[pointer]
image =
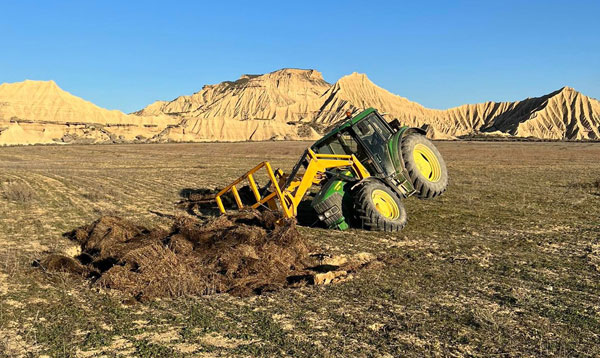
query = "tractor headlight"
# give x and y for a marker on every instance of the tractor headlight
(329, 213)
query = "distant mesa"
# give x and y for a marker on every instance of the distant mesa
(288, 104)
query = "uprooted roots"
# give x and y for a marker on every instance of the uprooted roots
(251, 252)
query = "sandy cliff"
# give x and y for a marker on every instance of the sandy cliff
(34, 112)
(286, 104)
(303, 98)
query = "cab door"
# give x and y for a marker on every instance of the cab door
(374, 134)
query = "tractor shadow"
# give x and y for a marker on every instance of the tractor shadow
(201, 202)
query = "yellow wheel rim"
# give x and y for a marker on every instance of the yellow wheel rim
(427, 163)
(385, 204)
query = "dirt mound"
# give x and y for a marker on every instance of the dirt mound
(248, 253)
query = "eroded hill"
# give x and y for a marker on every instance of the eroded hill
(304, 99)
(39, 112)
(288, 104)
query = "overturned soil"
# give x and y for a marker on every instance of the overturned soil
(247, 253)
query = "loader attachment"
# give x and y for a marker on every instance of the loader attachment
(286, 191)
(274, 199)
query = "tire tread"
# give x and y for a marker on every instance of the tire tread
(424, 188)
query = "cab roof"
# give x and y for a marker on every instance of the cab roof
(346, 124)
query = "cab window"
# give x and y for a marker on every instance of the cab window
(342, 143)
(331, 146)
(374, 134)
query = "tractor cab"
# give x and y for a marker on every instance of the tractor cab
(367, 136)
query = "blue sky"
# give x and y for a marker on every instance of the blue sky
(127, 54)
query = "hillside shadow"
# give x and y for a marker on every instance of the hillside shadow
(508, 120)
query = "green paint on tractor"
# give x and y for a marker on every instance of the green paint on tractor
(377, 144)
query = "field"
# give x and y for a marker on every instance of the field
(505, 264)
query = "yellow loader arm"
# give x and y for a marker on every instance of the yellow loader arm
(286, 191)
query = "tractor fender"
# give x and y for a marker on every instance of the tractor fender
(373, 179)
(410, 130)
(368, 179)
(385, 181)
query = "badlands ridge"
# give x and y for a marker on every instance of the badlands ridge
(289, 104)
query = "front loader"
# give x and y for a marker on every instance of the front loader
(364, 168)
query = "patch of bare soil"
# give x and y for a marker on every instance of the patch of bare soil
(247, 253)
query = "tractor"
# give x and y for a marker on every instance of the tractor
(363, 168)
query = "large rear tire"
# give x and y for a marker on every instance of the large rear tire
(425, 166)
(378, 208)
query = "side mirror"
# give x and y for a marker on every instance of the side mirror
(395, 124)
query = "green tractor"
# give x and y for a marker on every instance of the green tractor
(402, 162)
(364, 167)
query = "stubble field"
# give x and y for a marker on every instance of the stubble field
(506, 263)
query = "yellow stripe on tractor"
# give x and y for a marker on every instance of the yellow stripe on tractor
(286, 191)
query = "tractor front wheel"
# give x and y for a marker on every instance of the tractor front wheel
(378, 208)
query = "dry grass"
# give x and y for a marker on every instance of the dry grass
(17, 191)
(504, 264)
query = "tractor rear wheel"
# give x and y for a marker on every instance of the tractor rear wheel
(378, 208)
(425, 166)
